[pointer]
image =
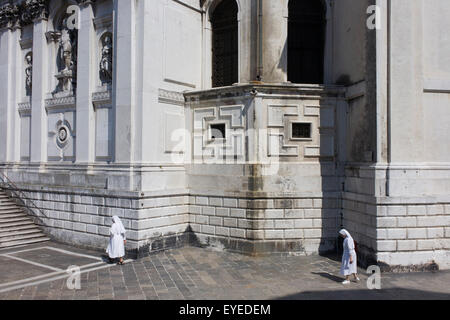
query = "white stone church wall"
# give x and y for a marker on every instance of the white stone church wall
(236, 201)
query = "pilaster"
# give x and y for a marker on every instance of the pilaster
(39, 90)
(85, 151)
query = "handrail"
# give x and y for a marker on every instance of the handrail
(20, 194)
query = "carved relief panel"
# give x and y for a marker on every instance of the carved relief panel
(61, 129)
(302, 131)
(219, 134)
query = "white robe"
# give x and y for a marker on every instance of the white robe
(116, 247)
(348, 268)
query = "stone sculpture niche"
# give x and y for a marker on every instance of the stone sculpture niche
(66, 61)
(106, 69)
(29, 73)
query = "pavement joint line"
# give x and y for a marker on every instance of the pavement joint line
(33, 249)
(45, 275)
(57, 278)
(73, 253)
(9, 248)
(31, 262)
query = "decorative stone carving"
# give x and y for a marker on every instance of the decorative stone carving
(9, 16)
(106, 70)
(66, 50)
(232, 146)
(62, 135)
(29, 73)
(66, 60)
(34, 10)
(170, 97)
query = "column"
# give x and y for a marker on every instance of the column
(124, 79)
(17, 87)
(6, 71)
(274, 41)
(40, 76)
(85, 143)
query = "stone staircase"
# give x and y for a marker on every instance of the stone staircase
(16, 227)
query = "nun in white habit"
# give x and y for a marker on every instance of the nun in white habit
(117, 240)
(349, 263)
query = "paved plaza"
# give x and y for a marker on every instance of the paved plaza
(39, 272)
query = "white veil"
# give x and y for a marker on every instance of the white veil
(118, 224)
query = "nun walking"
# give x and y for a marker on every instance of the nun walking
(349, 263)
(117, 240)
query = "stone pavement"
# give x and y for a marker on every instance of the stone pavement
(38, 273)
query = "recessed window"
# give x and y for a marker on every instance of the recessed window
(306, 41)
(225, 44)
(301, 130)
(218, 131)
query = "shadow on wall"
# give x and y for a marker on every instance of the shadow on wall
(283, 63)
(383, 294)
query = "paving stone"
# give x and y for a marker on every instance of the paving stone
(195, 274)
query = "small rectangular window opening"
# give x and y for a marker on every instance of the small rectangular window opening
(301, 130)
(218, 131)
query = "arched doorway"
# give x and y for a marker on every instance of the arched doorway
(306, 41)
(224, 22)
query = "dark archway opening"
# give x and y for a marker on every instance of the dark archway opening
(225, 44)
(306, 41)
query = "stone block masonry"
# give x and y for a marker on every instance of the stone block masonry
(398, 233)
(266, 226)
(154, 223)
(84, 218)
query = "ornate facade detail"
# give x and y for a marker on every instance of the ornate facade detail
(24, 108)
(9, 16)
(29, 73)
(170, 97)
(60, 102)
(101, 96)
(106, 69)
(34, 10)
(67, 60)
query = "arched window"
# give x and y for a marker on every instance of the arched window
(225, 44)
(306, 41)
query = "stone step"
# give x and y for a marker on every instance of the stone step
(16, 243)
(17, 210)
(14, 220)
(6, 200)
(19, 227)
(3, 205)
(27, 222)
(8, 207)
(19, 234)
(12, 216)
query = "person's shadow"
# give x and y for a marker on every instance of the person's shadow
(329, 276)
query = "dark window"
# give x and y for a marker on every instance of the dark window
(225, 44)
(301, 130)
(306, 41)
(218, 131)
